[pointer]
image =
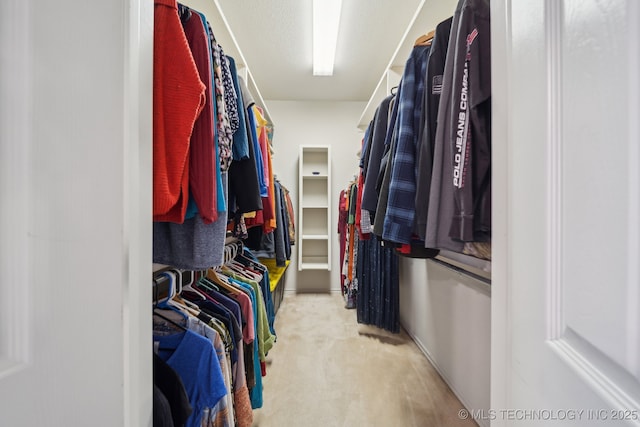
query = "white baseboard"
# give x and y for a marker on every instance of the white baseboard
(423, 348)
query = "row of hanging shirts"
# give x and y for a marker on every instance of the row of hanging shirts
(212, 333)
(424, 183)
(211, 144)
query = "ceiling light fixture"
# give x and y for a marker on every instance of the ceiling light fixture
(326, 22)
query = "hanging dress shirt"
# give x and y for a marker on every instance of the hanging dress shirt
(400, 213)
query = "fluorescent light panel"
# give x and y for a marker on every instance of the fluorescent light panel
(326, 21)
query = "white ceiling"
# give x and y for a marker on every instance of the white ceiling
(275, 39)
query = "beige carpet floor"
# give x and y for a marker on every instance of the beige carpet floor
(327, 370)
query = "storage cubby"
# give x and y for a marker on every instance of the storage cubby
(315, 222)
(314, 192)
(315, 162)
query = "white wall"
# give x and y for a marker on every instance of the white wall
(448, 315)
(75, 213)
(323, 123)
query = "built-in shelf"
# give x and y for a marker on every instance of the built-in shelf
(314, 217)
(314, 263)
(159, 267)
(315, 236)
(314, 266)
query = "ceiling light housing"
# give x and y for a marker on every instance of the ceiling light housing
(326, 23)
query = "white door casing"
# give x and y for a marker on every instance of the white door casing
(75, 209)
(566, 284)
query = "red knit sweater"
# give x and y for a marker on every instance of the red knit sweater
(178, 99)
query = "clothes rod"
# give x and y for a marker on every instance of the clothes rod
(460, 270)
(161, 288)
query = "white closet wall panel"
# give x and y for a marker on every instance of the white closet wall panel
(448, 314)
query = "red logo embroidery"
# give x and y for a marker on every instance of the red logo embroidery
(472, 36)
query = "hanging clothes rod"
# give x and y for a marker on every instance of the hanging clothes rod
(460, 270)
(161, 288)
(162, 282)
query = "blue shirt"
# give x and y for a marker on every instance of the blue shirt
(195, 360)
(401, 206)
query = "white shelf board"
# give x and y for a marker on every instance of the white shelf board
(316, 206)
(315, 148)
(319, 176)
(315, 236)
(158, 267)
(314, 266)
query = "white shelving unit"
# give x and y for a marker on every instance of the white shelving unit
(314, 208)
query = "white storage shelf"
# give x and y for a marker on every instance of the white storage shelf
(315, 193)
(315, 163)
(314, 218)
(314, 263)
(314, 222)
(315, 237)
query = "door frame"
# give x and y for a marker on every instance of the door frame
(138, 169)
(500, 328)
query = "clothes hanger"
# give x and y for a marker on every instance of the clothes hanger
(184, 305)
(190, 287)
(184, 12)
(170, 279)
(220, 280)
(240, 270)
(180, 304)
(250, 263)
(173, 322)
(425, 39)
(215, 279)
(172, 303)
(207, 284)
(177, 275)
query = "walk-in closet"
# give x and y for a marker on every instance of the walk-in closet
(203, 222)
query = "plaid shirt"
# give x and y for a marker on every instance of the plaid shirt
(401, 208)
